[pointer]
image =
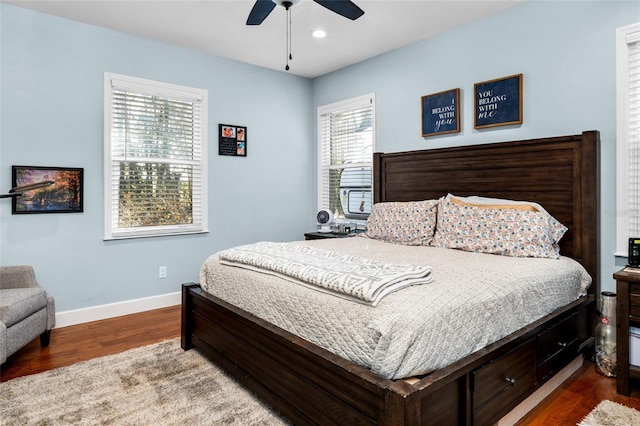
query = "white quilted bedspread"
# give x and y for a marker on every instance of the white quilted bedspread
(474, 300)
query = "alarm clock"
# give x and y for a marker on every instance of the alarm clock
(325, 218)
(634, 252)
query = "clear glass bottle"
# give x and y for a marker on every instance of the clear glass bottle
(605, 336)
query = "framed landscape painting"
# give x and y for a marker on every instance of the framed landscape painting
(58, 190)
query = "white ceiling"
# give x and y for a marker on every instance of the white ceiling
(217, 27)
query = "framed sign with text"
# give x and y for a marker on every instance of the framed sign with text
(232, 140)
(441, 113)
(498, 102)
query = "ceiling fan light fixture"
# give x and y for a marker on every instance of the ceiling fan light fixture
(318, 33)
(285, 3)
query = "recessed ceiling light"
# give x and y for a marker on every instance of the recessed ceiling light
(319, 33)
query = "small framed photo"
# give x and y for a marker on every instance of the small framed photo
(498, 102)
(232, 140)
(441, 113)
(57, 189)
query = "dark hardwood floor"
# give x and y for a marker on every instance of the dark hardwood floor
(93, 339)
(565, 406)
(576, 397)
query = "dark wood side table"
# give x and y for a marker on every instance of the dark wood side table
(323, 235)
(627, 315)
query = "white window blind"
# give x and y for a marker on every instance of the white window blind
(346, 140)
(628, 136)
(155, 158)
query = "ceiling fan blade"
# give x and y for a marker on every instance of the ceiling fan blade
(261, 9)
(346, 8)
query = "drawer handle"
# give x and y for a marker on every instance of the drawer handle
(510, 380)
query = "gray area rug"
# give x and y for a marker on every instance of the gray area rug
(154, 385)
(609, 413)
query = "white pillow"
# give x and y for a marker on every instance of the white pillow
(484, 201)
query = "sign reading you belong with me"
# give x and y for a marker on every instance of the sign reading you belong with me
(498, 102)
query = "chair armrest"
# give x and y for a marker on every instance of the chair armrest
(21, 276)
(51, 312)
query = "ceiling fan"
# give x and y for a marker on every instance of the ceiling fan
(262, 8)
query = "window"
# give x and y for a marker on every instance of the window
(155, 158)
(628, 136)
(346, 140)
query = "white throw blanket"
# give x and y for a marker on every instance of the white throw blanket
(352, 277)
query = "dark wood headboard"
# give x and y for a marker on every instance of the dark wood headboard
(560, 173)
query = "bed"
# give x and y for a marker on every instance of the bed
(311, 385)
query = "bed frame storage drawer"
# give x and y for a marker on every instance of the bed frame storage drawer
(499, 385)
(556, 346)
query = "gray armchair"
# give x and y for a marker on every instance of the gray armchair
(26, 310)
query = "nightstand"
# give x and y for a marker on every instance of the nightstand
(627, 314)
(322, 235)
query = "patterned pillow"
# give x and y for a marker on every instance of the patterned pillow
(501, 231)
(410, 223)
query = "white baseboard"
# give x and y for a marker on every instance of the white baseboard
(535, 398)
(111, 310)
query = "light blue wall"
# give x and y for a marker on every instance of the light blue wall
(51, 113)
(51, 102)
(566, 51)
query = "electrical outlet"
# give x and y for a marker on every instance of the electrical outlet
(162, 272)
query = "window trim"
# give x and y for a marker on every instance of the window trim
(623, 35)
(341, 106)
(174, 91)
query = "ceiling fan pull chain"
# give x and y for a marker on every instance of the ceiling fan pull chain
(290, 35)
(287, 6)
